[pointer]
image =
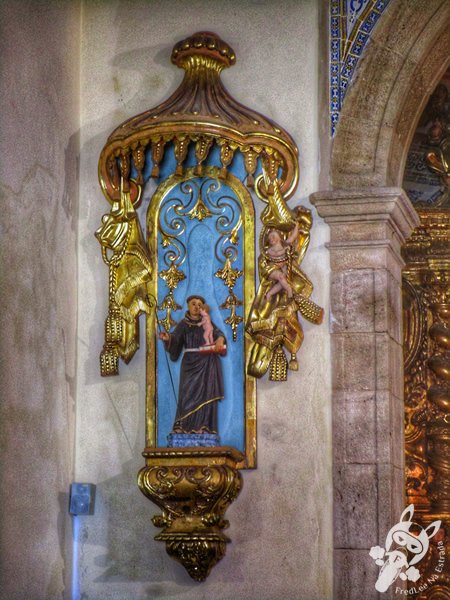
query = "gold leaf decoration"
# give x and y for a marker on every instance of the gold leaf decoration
(200, 211)
(172, 276)
(228, 274)
(231, 302)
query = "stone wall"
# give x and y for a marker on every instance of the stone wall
(39, 83)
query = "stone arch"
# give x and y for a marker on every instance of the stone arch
(370, 217)
(407, 55)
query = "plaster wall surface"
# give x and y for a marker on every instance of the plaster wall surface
(39, 90)
(281, 528)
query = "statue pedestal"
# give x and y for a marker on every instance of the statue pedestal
(193, 487)
(193, 440)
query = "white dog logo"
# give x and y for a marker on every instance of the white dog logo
(403, 550)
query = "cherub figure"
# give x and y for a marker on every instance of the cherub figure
(207, 325)
(273, 322)
(278, 253)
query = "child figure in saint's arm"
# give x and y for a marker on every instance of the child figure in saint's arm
(207, 325)
(201, 379)
(278, 252)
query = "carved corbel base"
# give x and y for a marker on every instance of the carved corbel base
(193, 487)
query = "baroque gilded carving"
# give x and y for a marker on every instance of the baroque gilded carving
(201, 145)
(193, 488)
(427, 347)
(130, 268)
(284, 289)
(427, 366)
(427, 377)
(200, 111)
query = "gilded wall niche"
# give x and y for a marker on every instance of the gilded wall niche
(185, 257)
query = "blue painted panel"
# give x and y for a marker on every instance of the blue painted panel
(200, 264)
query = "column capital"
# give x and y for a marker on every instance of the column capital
(367, 226)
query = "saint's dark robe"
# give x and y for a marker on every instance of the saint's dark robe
(201, 379)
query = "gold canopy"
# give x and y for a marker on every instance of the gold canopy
(200, 111)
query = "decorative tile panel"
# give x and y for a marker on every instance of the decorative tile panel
(351, 23)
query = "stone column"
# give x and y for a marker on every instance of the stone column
(367, 229)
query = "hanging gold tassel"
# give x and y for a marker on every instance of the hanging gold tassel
(278, 365)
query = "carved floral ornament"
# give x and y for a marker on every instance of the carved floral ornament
(426, 326)
(199, 247)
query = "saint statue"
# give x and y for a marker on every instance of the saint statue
(201, 379)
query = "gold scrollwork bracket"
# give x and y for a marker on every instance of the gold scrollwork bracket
(193, 487)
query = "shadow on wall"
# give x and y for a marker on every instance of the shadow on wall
(117, 543)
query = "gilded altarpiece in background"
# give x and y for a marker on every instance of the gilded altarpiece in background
(426, 315)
